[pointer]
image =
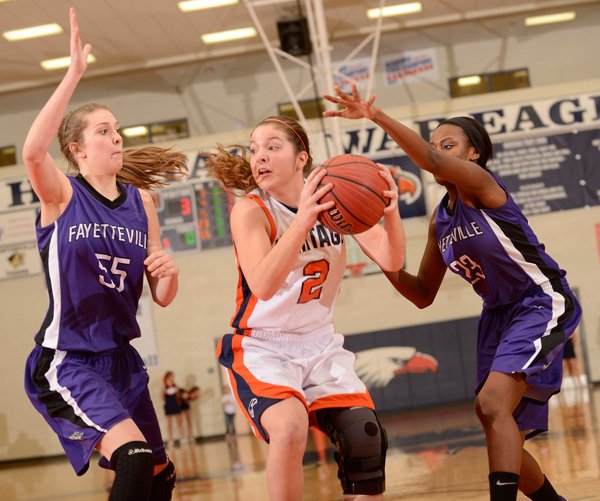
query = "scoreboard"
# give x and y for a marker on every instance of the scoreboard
(194, 216)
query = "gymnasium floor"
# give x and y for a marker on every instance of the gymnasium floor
(436, 454)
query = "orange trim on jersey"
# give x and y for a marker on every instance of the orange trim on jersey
(241, 405)
(262, 205)
(245, 303)
(342, 400)
(337, 401)
(233, 385)
(257, 387)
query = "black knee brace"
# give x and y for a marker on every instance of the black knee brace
(133, 463)
(361, 444)
(163, 484)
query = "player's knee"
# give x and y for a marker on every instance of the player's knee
(289, 434)
(133, 464)
(361, 444)
(488, 408)
(163, 484)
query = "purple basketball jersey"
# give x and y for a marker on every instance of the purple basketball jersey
(495, 250)
(93, 259)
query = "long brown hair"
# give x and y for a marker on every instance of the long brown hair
(233, 170)
(147, 167)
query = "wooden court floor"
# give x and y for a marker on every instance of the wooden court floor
(434, 454)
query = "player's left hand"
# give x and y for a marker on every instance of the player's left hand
(160, 264)
(353, 105)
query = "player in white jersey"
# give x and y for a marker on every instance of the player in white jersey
(286, 363)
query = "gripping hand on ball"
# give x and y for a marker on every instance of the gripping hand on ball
(309, 206)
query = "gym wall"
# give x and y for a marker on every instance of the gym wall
(222, 106)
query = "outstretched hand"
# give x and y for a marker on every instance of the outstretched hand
(79, 56)
(353, 105)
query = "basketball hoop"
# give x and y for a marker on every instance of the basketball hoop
(356, 269)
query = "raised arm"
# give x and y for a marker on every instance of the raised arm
(49, 183)
(422, 288)
(467, 176)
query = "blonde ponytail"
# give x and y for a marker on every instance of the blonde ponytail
(152, 167)
(232, 171)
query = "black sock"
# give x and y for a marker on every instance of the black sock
(503, 486)
(545, 493)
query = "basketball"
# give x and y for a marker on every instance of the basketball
(357, 194)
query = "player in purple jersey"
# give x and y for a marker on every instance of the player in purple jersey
(528, 312)
(98, 235)
(286, 363)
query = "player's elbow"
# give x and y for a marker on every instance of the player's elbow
(263, 293)
(163, 303)
(423, 300)
(419, 298)
(393, 266)
(422, 304)
(398, 263)
(32, 157)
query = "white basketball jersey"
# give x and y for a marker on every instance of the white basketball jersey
(306, 300)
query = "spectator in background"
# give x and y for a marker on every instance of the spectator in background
(571, 363)
(229, 409)
(172, 406)
(185, 397)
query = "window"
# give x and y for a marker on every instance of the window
(483, 83)
(155, 132)
(312, 108)
(8, 155)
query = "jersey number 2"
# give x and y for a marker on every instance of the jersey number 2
(114, 270)
(317, 273)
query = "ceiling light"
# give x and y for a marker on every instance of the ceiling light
(467, 81)
(550, 18)
(395, 10)
(136, 131)
(226, 36)
(62, 62)
(191, 5)
(33, 32)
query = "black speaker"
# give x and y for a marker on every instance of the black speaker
(293, 37)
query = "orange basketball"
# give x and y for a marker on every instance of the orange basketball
(357, 192)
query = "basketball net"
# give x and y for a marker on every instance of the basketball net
(356, 269)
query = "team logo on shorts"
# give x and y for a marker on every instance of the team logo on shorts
(251, 405)
(76, 435)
